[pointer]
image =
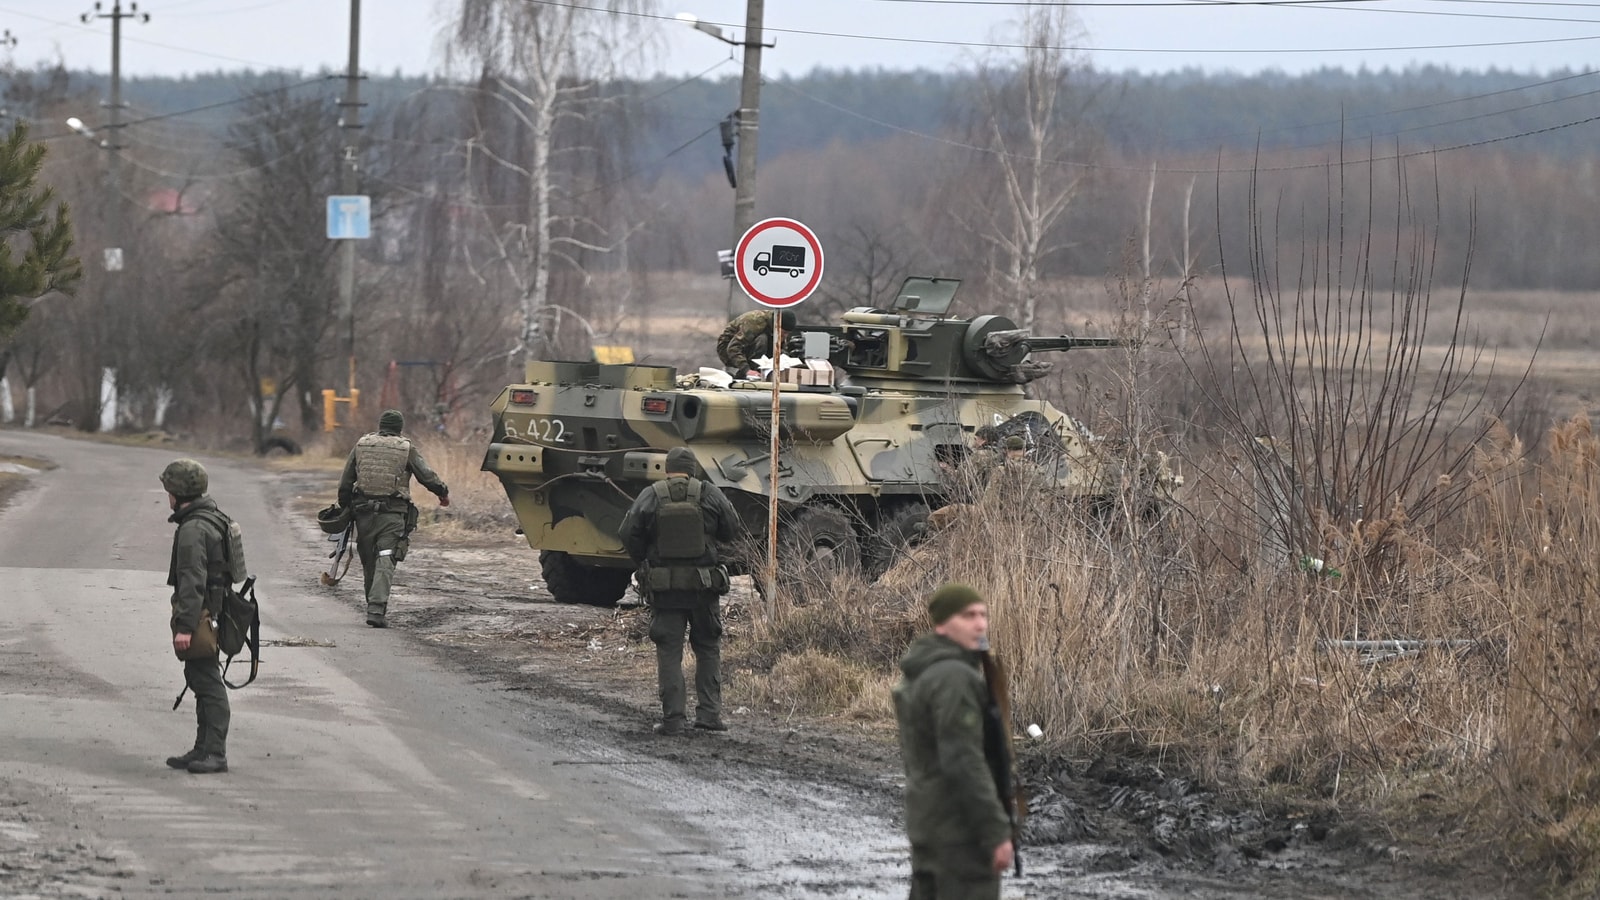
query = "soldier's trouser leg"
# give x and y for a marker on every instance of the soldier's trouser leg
(705, 638)
(211, 713)
(962, 872)
(377, 535)
(666, 631)
(367, 549)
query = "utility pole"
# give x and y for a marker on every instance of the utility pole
(113, 141)
(749, 119)
(113, 255)
(349, 183)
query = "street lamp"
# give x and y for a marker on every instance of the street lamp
(746, 118)
(76, 124)
(693, 21)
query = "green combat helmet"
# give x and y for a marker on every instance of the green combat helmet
(184, 479)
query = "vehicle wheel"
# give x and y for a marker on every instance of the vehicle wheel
(762, 270)
(814, 545)
(898, 531)
(571, 581)
(794, 273)
(287, 445)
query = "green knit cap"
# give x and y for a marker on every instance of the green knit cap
(391, 421)
(949, 600)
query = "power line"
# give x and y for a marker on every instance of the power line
(1408, 109)
(998, 45)
(1087, 166)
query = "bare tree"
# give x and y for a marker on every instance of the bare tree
(1029, 129)
(540, 71)
(1351, 403)
(265, 286)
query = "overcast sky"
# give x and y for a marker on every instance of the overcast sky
(188, 36)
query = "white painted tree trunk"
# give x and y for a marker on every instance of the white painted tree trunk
(163, 403)
(108, 400)
(32, 406)
(8, 413)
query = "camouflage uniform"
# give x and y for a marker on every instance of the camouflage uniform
(197, 570)
(748, 337)
(376, 487)
(671, 611)
(954, 817)
(1015, 482)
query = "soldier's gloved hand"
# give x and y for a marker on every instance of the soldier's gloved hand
(445, 500)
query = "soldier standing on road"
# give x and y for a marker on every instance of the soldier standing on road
(197, 574)
(376, 487)
(748, 337)
(960, 833)
(672, 531)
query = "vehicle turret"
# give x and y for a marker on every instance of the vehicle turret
(870, 440)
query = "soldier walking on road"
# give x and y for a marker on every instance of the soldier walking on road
(959, 829)
(376, 487)
(672, 531)
(198, 575)
(748, 337)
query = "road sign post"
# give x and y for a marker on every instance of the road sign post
(778, 263)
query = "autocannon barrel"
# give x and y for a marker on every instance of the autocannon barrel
(1000, 343)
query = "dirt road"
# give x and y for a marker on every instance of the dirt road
(490, 743)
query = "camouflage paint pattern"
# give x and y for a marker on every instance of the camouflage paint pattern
(576, 442)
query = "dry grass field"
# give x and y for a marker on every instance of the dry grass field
(1179, 638)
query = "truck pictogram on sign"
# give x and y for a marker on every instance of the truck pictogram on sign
(782, 258)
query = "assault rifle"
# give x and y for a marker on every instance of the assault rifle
(341, 556)
(998, 750)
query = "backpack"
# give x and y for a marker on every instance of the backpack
(238, 623)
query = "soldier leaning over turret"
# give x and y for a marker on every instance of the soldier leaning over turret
(749, 337)
(376, 487)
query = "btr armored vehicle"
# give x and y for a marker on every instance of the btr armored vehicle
(865, 455)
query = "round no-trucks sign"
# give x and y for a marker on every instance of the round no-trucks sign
(778, 262)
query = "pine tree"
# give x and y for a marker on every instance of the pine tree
(35, 233)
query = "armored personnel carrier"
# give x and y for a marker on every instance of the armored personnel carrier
(862, 461)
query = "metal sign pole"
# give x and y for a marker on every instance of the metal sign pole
(772, 466)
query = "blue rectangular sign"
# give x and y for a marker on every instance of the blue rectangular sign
(349, 217)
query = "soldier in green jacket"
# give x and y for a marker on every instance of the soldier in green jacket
(197, 571)
(748, 337)
(376, 487)
(960, 833)
(672, 531)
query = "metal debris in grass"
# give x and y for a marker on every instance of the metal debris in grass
(298, 642)
(1376, 651)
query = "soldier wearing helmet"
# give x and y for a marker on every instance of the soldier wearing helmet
(198, 568)
(376, 487)
(672, 531)
(748, 337)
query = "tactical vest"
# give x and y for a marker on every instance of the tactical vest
(681, 558)
(383, 466)
(231, 537)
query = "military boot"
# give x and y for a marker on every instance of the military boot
(182, 762)
(210, 764)
(376, 616)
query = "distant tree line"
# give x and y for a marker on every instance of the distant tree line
(531, 206)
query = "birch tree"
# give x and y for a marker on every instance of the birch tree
(1032, 145)
(540, 71)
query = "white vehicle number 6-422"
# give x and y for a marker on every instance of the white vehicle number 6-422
(545, 431)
